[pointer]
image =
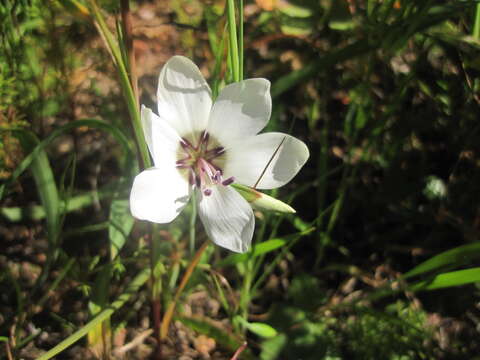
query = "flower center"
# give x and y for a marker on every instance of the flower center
(201, 159)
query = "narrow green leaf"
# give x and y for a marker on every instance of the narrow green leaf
(257, 250)
(98, 302)
(127, 89)
(132, 288)
(240, 39)
(44, 180)
(48, 193)
(261, 329)
(92, 123)
(272, 348)
(233, 44)
(262, 248)
(334, 57)
(37, 212)
(476, 26)
(293, 10)
(454, 278)
(121, 224)
(457, 256)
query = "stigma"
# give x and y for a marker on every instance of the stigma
(201, 158)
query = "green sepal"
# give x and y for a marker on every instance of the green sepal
(261, 201)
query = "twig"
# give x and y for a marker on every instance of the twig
(239, 351)
(8, 350)
(188, 272)
(269, 162)
(120, 351)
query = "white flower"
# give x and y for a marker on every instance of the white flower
(204, 147)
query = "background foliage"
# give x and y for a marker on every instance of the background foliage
(379, 262)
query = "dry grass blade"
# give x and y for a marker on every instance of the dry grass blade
(120, 351)
(171, 307)
(269, 162)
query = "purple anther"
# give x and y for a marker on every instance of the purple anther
(228, 181)
(205, 136)
(184, 143)
(218, 150)
(216, 177)
(195, 155)
(207, 192)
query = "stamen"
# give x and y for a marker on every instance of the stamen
(207, 192)
(182, 165)
(228, 181)
(184, 143)
(195, 155)
(206, 167)
(217, 176)
(212, 153)
(203, 144)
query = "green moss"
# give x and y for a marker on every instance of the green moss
(398, 332)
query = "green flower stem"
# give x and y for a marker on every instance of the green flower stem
(240, 38)
(128, 41)
(193, 220)
(232, 30)
(246, 293)
(476, 35)
(132, 288)
(125, 83)
(476, 26)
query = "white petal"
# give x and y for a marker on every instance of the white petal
(162, 140)
(246, 160)
(183, 95)
(158, 195)
(241, 109)
(228, 218)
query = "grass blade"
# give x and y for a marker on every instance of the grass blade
(131, 289)
(233, 44)
(92, 123)
(73, 203)
(449, 279)
(456, 256)
(44, 180)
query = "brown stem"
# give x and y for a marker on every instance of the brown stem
(157, 320)
(155, 288)
(239, 351)
(171, 307)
